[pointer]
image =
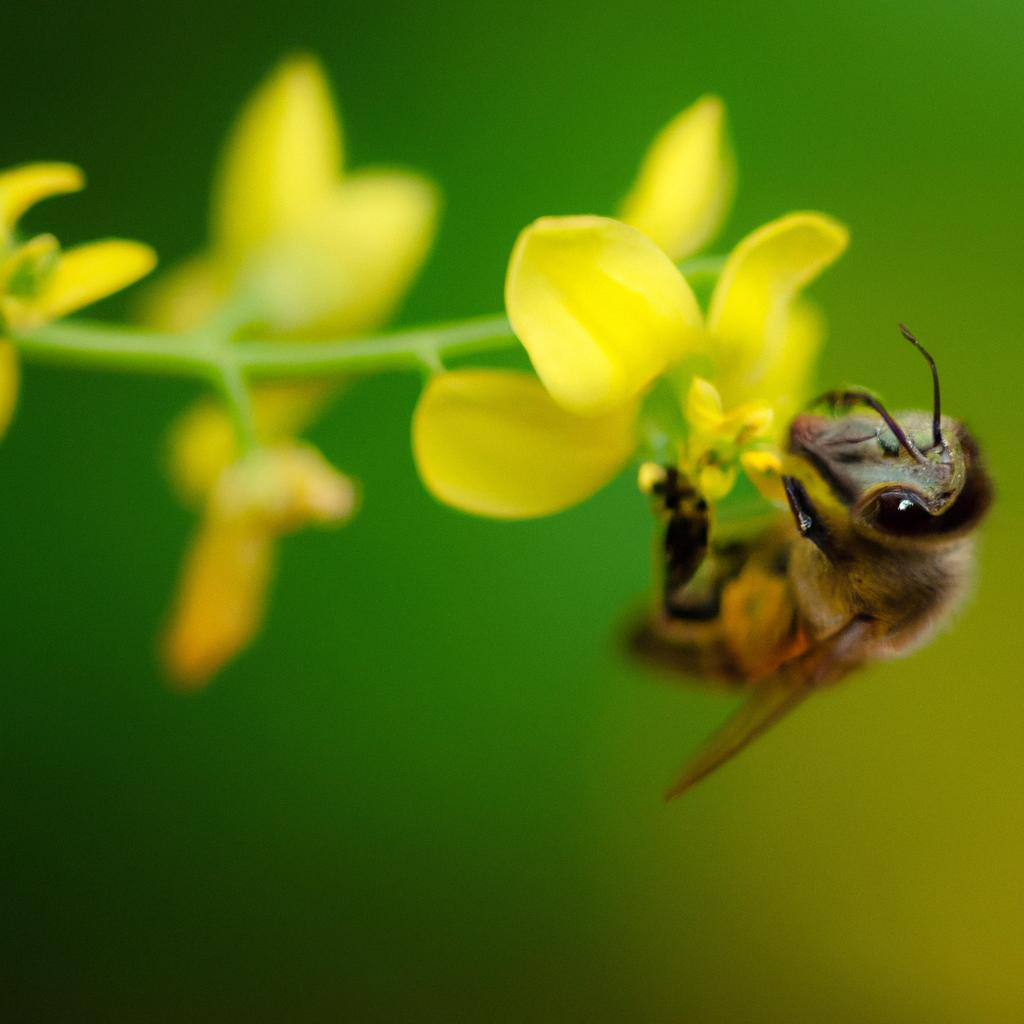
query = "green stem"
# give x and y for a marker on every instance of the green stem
(106, 347)
(230, 366)
(202, 354)
(110, 347)
(423, 348)
(231, 382)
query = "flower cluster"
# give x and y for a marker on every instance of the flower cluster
(606, 315)
(299, 248)
(634, 354)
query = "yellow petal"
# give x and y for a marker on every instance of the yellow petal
(715, 481)
(221, 600)
(202, 441)
(282, 159)
(704, 410)
(600, 308)
(685, 184)
(345, 268)
(749, 421)
(750, 307)
(787, 380)
(22, 187)
(8, 384)
(492, 442)
(88, 273)
(764, 469)
(181, 298)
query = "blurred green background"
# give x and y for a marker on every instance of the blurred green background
(431, 791)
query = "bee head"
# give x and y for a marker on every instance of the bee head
(913, 476)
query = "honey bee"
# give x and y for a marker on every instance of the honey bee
(875, 555)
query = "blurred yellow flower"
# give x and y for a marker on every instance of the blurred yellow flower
(298, 247)
(39, 281)
(222, 596)
(603, 312)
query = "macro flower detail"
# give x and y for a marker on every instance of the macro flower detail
(716, 438)
(304, 256)
(299, 249)
(605, 314)
(40, 281)
(602, 314)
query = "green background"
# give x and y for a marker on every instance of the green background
(431, 791)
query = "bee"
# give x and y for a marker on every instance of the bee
(873, 558)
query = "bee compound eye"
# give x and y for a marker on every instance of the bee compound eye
(901, 512)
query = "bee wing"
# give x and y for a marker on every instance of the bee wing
(770, 702)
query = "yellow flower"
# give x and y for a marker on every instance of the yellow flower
(39, 281)
(603, 312)
(301, 246)
(221, 600)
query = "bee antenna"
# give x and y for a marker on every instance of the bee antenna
(937, 439)
(847, 398)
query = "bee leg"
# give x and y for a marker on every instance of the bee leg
(806, 516)
(685, 543)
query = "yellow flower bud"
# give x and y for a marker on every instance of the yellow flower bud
(221, 598)
(309, 249)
